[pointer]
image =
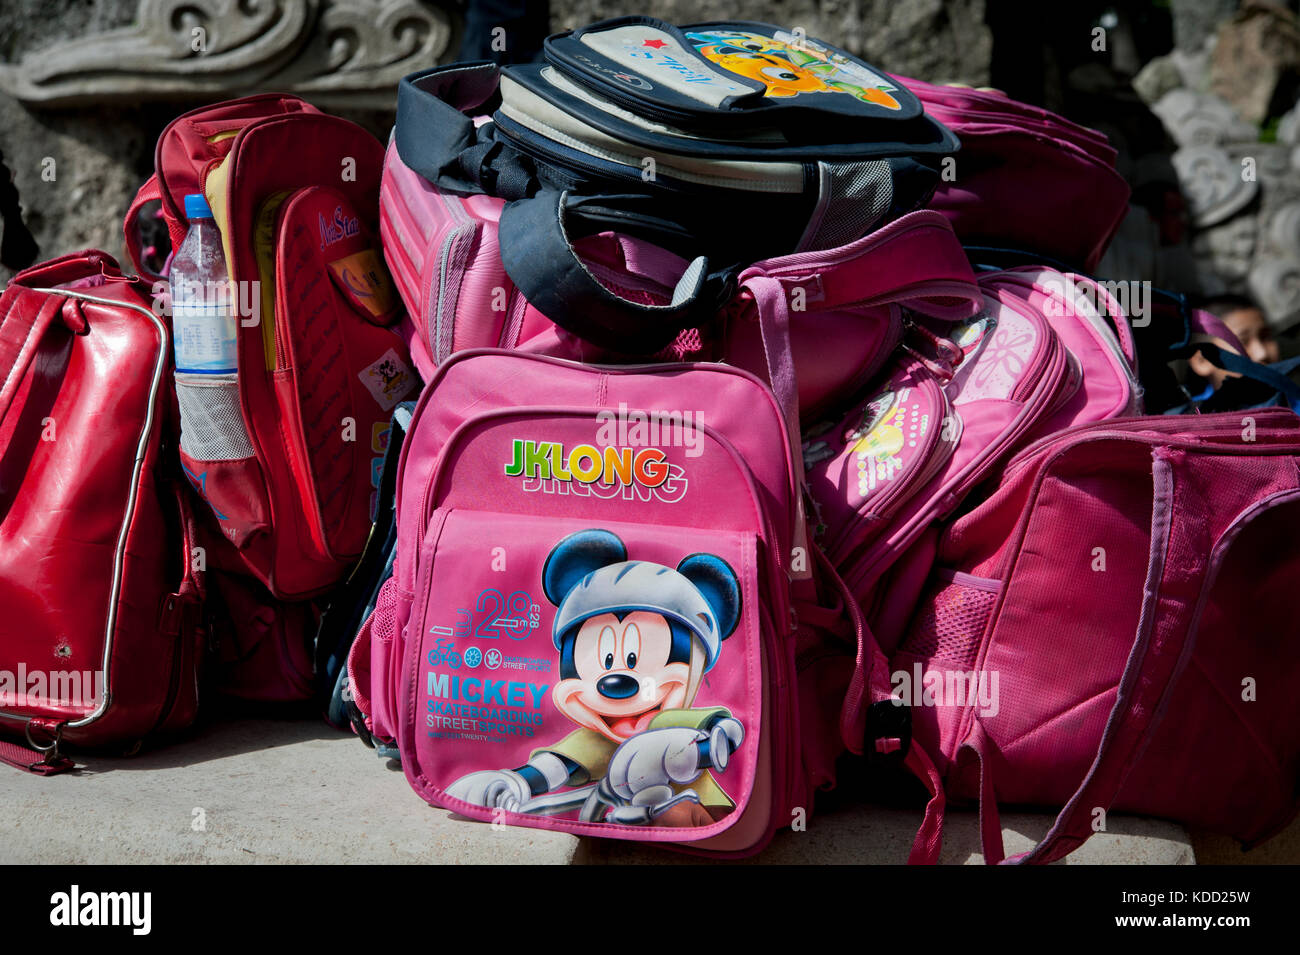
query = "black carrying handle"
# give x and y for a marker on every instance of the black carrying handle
(435, 134)
(437, 138)
(538, 255)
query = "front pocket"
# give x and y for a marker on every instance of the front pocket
(341, 373)
(870, 464)
(594, 676)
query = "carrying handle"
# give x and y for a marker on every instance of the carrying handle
(538, 255)
(438, 140)
(26, 316)
(434, 135)
(72, 267)
(28, 309)
(147, 193)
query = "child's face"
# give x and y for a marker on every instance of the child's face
(1256, 336)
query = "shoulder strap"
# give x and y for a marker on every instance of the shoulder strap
(1269, 375)
(25, 317)
(915, 260)
(41, 761)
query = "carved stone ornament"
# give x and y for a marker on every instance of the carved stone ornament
(1229, 248)
(1255, 54)
(1272, 160)
(1275, 284)
(1194, 67)
(1201, 119)
(1288, 127)
(1284, 230)
(341, 52)
(1213, 183)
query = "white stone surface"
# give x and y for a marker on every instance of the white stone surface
(299, 792)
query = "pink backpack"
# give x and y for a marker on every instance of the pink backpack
(445, 258)
(1038, 357)
(444, 253)
(1022, 172)
(1114, 630)
(1095, 329)
(602, 618)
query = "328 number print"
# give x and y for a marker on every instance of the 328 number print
(499, 616)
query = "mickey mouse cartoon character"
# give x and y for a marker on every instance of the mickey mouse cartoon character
(635, 640)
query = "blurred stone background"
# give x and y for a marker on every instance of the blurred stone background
(1199, 96)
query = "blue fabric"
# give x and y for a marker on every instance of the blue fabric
(353, 602)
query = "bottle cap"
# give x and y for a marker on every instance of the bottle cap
(196, 206)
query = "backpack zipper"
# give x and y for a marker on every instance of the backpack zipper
(941, 504)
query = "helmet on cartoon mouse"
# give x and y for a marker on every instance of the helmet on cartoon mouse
(635, 637)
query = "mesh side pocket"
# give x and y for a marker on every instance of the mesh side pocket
(854, 197)
(212, 426)
(638, 295)
(687, 345)
(951, 619)
(383, 619)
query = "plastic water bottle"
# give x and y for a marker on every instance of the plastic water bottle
(203, 312)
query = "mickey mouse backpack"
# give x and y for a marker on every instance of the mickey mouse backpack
(604, 616)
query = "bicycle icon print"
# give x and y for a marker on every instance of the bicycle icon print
(494, 616)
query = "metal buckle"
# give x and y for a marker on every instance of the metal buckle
(53, 747)
(50, 755)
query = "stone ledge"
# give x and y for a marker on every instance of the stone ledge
(300, 792)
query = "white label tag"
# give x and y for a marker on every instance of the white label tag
(659, 57)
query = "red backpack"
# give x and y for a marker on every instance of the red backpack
(100, 634)
(284, 457)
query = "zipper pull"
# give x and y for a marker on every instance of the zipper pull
(947, 354)
(946, 348)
